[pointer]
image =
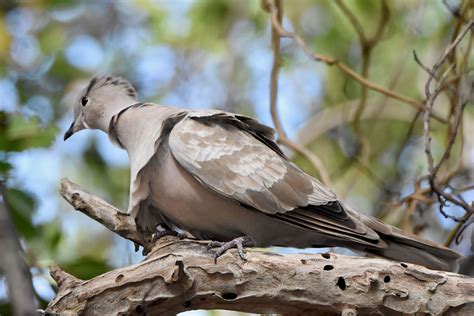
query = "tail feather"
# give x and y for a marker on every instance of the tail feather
(402, 246)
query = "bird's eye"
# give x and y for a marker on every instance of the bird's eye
(84, 101)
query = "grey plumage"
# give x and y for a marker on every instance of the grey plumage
(220, 176)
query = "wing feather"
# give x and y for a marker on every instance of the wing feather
(236, 157)
(230, 160)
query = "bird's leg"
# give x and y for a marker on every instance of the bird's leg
(238, 243)
(164, 231)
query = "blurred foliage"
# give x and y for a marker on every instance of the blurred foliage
(203, 53)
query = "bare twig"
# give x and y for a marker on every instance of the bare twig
(12, 263)
(334, 62)
(429, 103)
(367, 45)
(457, 230)
(354, 21)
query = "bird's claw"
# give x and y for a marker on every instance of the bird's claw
(237, 243)
(166, 232)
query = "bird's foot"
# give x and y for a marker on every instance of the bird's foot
(166, 232)
(238, 243)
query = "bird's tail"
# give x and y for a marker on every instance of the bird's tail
(402, 246)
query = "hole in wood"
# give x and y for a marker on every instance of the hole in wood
(328, 267)
(386, 279)
(326, 255)
(139, 309)
(229, 296)
(187, 304)
(119, 278)
(403, 265)
(303, 261)
(341, 283)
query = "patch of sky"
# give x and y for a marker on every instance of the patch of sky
(203, 89)
(154, 67)
(42, 285)
(127, 248)
(3, 289)
(453, 210)
(259, 64)
(38, 171)
(112, 154)
(38, 106)
(80, 140)
(25, 50)
(84, 52)
(128, 41)
(9, 99)
(286, 250)
(19, 21)
(293, 109)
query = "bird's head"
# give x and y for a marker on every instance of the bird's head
(97, 103)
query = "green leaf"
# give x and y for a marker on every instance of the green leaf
(52, 235)
(22, 133)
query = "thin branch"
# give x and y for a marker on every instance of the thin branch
(282, 138)
(453, 234)
(429, 103)
(353, 20)
(346, 69)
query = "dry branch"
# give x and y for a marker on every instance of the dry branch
(270, 7)
(180, 275)
(429, 104)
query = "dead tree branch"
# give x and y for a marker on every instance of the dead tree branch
(271, 7)
(111, 217)
(431, 96)
(180, 275)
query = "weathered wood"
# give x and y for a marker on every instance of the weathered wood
(180, 275)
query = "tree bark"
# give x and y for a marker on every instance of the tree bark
(180, 275)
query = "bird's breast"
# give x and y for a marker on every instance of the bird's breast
(190, 206)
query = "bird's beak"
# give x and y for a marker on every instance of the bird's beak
(69, 132)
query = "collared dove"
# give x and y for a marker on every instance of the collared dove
(220, 176)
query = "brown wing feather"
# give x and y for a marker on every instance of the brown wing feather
(235, 156)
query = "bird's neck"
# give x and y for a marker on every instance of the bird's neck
(139, 125)
(103, 121)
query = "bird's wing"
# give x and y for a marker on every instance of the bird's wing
(235, 156)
